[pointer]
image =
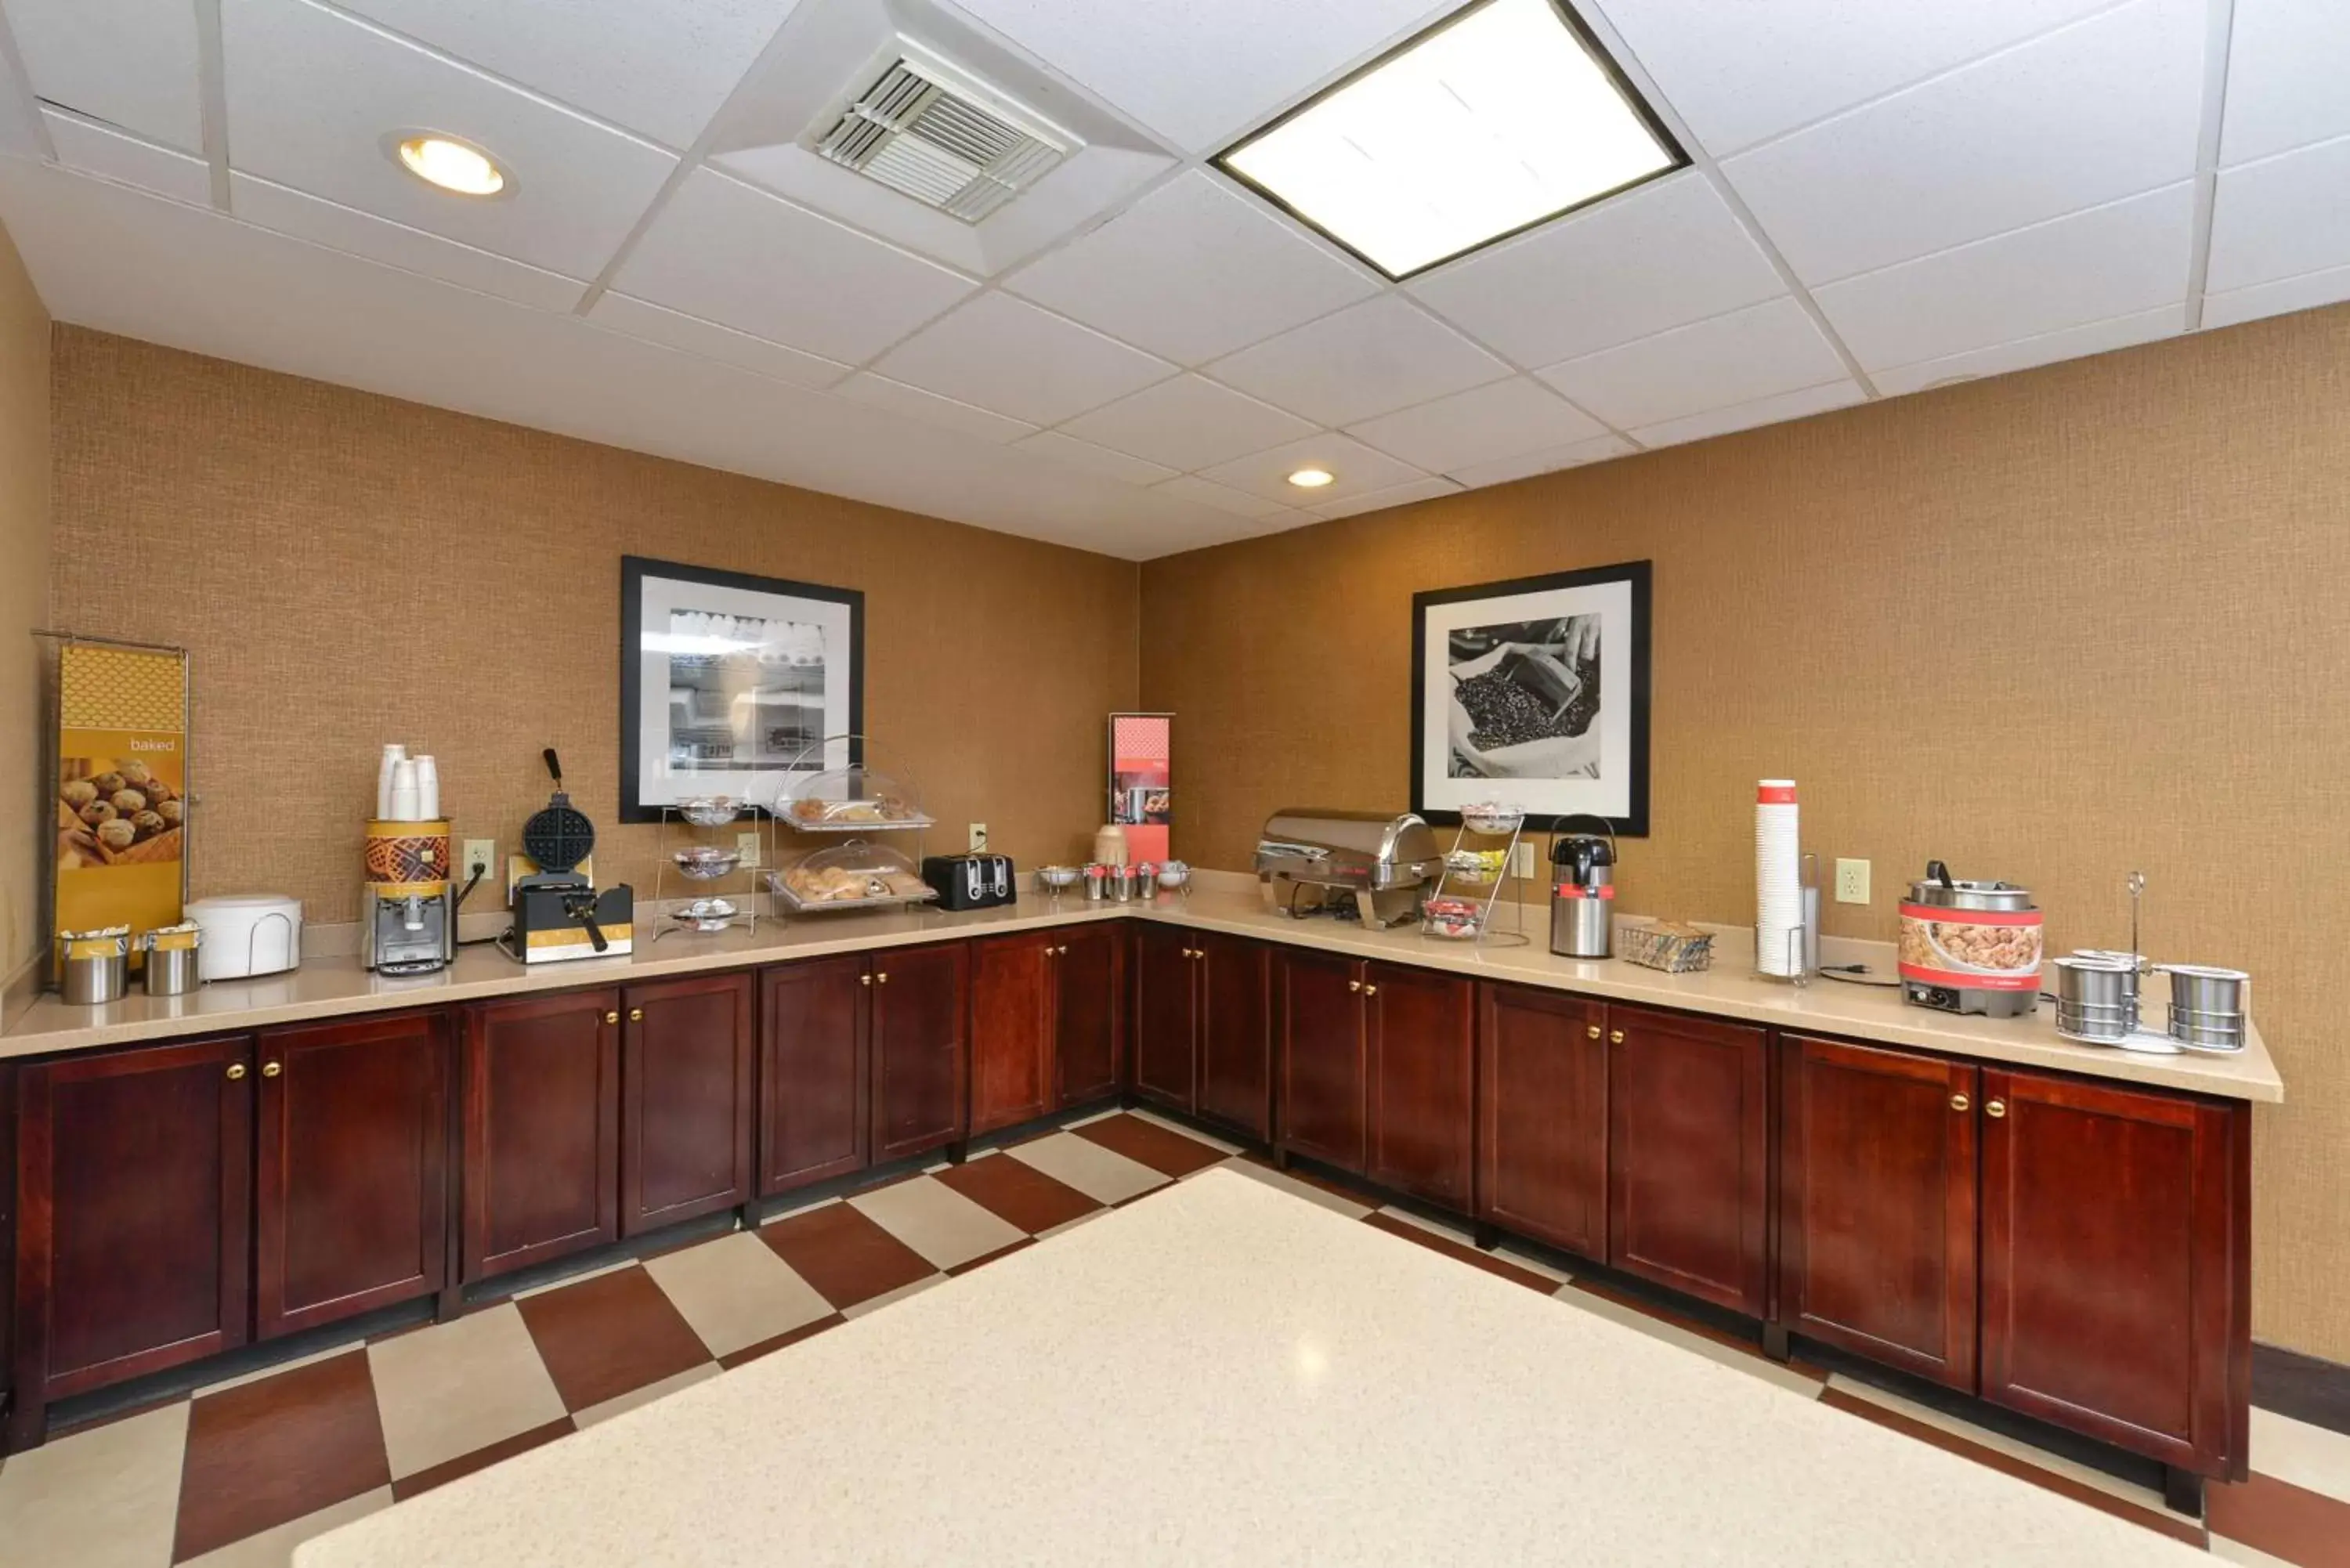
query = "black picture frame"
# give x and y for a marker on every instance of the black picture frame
(1634, 581)
(634, 804)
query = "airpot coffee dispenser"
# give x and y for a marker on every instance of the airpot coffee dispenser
(1583, 896)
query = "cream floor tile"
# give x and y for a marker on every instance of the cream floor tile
(2227, 1550)
(736, 1292)
(1297, 1188)
(1103, 1175)
(105, 1498)
(887, 1297)
(2308, 1457)
(2088, 1475)
(1194, 1134)
(1696, 1344)
(644, 1395)
(449, 1389)
(275, 1547)
(941, 1224)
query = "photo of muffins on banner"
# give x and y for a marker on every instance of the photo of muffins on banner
(118, 811)
(120, 802)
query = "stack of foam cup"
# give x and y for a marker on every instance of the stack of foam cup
(1778, 880)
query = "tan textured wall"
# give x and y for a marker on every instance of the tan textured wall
(23, 600)
(350, 569)
(2051, 627)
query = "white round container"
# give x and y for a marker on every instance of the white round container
(247, 934)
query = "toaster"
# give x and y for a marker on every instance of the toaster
(971, 881)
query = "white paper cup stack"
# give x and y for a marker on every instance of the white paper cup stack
(1778, 879)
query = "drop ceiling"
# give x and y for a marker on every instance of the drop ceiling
(1132, 354)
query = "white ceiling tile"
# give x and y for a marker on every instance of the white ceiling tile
(95, 148)
(1368, 358)
(2099, 110)
(725, 252)
(1355, 470)
(880, 392)
(1095, 459)
(379, 239)
(1191, 271)
(1503, 470)
(1739, 73)
(1663, 255)
(130, 63)
(2281, 217)
(1427, 488)
(2091, 266)
(2306, 292)
(1003, 354)
(685, 332)
(2287, 62)
(1188, 423)
(1505, 419)
(659, 66)
(312, 94)
(1223, 498)
(2073, 343)
(1198, 72)
(1770, 410)
(20, 122)
(1770, 347)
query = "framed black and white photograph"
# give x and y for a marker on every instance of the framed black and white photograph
(729, 682)
(1534, 692)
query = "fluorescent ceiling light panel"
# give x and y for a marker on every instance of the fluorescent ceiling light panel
(1499, 117)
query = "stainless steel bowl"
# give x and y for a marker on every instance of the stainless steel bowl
(706, 864)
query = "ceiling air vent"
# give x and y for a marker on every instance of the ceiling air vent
(921, 130)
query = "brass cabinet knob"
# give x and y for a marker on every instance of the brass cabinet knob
(636, 1015)
(1370, 990)
(865, 980)
(1591, 1031)
(1959, 1102)
(612, 1018)
(881, 977)
(1994, 1108)
(1615, 1037)
(1353, 985)
(1063, 949)
(271, 1069)
(235, 1071)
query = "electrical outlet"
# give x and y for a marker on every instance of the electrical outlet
(979, 838)
(482, 855)
(1522, 861)
(1852, 882)
(747, 844)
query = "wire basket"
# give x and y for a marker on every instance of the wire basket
(1669, 945)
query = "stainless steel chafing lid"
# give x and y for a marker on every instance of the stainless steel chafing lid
(1303, 836)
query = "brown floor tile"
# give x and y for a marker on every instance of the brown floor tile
(265, 1453)
(846, 1256)
(2170, 1524)
(1018, 1192)
(1157, 1147)
(609, 1335)
(752, 1352)
(1688, 1324)
(2282, 1519)
(481, 1458)
(1469, 1256)
(969, 1264)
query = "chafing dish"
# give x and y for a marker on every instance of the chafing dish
(1309, 859)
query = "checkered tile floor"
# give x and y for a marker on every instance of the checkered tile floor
(242, 1470)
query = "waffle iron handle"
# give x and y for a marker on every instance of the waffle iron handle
(554, 766)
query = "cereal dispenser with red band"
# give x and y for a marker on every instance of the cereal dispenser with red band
(1970, 947)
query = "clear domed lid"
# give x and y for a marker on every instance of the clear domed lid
(852, 799)
(855, 872)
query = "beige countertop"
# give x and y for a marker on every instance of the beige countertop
(328, 986)
(1224, 1372)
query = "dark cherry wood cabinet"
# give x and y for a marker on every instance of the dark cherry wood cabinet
(687, 1061)
(1090, 1013)
(920, 997)
(542, 1117)
(351, 1178)
(1165, 1015)
(1323, 1112)
(1543, 1131)
(816, 1074)
(1420, 1068)
(1012, 1012)
(1232, 1012)
(1689, 1159)
(134, 1175)
(1876, 1204)
(2115, 1264)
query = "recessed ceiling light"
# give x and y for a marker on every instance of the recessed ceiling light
(451, 164)
(1503, 116)
(1310, 478)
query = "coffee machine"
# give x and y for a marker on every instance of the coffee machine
(1583, 896)
(408, 914)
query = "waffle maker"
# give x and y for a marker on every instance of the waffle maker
(558, 913)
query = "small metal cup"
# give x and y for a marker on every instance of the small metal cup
(94, 966)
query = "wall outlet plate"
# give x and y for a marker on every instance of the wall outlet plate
(1522, 861)
(748, 844)
(1852, 882)
(482, 855)
(979, 838)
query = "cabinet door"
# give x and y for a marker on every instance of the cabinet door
(1235, 1032)
(351, 1195)
(134, 1175)
(816, 1083)
(1877, 1205)
(685, 1099)
(2113, 1248)
(541, 1113)
(1012, 979)
(1321, 1032)
(919, 995)
(1090, 1013)
(1544, 1146)
(1688, 1156)
(1166, 1012)
(1422, 1050)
